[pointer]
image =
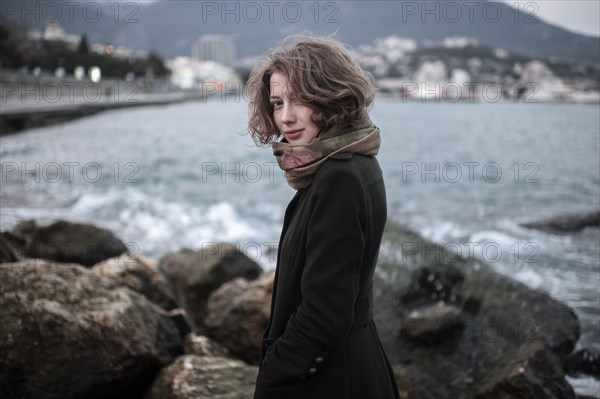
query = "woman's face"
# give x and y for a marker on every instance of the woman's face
(292, 119)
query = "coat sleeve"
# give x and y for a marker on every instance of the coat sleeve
(330, 279)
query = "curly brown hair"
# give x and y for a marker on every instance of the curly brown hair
(321, 74)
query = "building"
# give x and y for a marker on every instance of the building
(541, 84)
(430, 78)
(191, 74)
(54, 33)
(217, 48)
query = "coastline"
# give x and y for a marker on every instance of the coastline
(20, 116)
(443, 305)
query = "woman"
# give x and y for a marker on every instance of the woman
(321, 341)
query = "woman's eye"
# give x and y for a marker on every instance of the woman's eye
(276, 104)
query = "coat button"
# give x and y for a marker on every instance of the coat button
(312, 370)
(319, 359)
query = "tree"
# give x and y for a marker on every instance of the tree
(12, 39)
(83, 45)
(156, 62)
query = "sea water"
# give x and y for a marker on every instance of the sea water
(465, 175)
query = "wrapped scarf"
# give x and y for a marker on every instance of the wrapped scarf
(300, 162)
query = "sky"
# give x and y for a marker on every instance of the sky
(581, 16)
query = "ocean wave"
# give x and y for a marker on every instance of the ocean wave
(156, 226)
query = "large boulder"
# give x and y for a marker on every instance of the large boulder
(11, 247)
(433, 324)
(68, 242)
(456, 320)
(193, 275)
(238, 313)
(141, 274)
(530, 371)
(69, 333)
(201, 345)
(193, 377)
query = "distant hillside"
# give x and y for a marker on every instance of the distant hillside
(170, 27)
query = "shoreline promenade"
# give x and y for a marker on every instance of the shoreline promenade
(16, 116)
(29, 101)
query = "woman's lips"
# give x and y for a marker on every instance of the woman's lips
(293, 134)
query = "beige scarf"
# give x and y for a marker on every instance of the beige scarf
(300, 162)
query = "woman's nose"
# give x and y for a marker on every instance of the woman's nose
(287, 114)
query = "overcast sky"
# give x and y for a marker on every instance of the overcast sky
(581, 16)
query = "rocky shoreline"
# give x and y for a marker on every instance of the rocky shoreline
(82, 317)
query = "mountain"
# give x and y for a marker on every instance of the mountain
(170, 27)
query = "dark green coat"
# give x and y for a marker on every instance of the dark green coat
(321, 341)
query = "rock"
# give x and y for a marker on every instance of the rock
(410, 388)
(195, 274)
(428, 286)
(11, 247)
(181, 321)
(583, 362)
(201, 345)
(69, 333)
(433, 324)
(25, 228)
(529, 372)
(238, 313)
(502, 319)
(567, 223)
(68, 242)
(141, 275)
(192, 377)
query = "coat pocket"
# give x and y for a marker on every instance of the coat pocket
(266, 343)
